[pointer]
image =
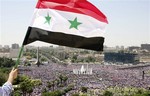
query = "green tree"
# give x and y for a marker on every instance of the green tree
(57, 81)
(146, 93)
(65, 78)
(69, 88)
(6, 62)
(76, 94)
(53, 93)
(43, 59)
(84, 89)
(49, 85)
(26, 85)
(108, 93)
(74, 58)
(16, 93)
(53, 84)
(3, 78)
(61, 78)
(84, 95)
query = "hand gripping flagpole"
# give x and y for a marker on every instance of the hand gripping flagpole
(19, 55)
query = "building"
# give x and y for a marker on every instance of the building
(145, 59)
(15, 46)
(122, 48)
(6, 48)
(111, 49)
(6, 54)
(121, 57)
(133, 48)
(145, 47)
(1, 46)
(14, 53)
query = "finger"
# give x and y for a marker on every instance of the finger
(15, 70)
(12, 69)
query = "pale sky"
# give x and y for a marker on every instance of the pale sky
(129, 21)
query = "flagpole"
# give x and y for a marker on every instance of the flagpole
(18, 58)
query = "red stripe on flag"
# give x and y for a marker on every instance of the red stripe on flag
(76, 6)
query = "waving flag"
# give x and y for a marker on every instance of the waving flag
(72, 23)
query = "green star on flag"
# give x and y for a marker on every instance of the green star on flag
(48, 18)
(74, 23)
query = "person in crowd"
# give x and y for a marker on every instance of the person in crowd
(7, 88)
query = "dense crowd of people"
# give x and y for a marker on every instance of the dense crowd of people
(102, 77)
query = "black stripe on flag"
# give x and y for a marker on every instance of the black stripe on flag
(59, 38)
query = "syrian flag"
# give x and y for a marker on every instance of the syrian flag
(72, 23)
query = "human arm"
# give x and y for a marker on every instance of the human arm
(7, 88)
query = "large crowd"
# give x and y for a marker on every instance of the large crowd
(102, 77)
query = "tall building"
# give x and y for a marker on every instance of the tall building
(1, 46)
(121, 57)
(15, 46)
(4, 55)
(122, 48)
(145, 46)
(6, 48)
(132, 48)
(14, 53)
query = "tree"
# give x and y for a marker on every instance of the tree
(30, 90)
(69, 88)
(3, 75)
(57, 82)
(26, 85)
(49, 85)
(16, 93)
(53, 93)
(84, 95)
(3, 78)
(76, 94)
(53, 84)
(84, 89)
(61, 78)
(74, 58)
(36, 82)
(108, 93)
(65, 78)
(6, 62)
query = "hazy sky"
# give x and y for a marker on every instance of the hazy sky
(129, 21)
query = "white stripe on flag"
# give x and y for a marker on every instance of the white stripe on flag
(90, 27)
